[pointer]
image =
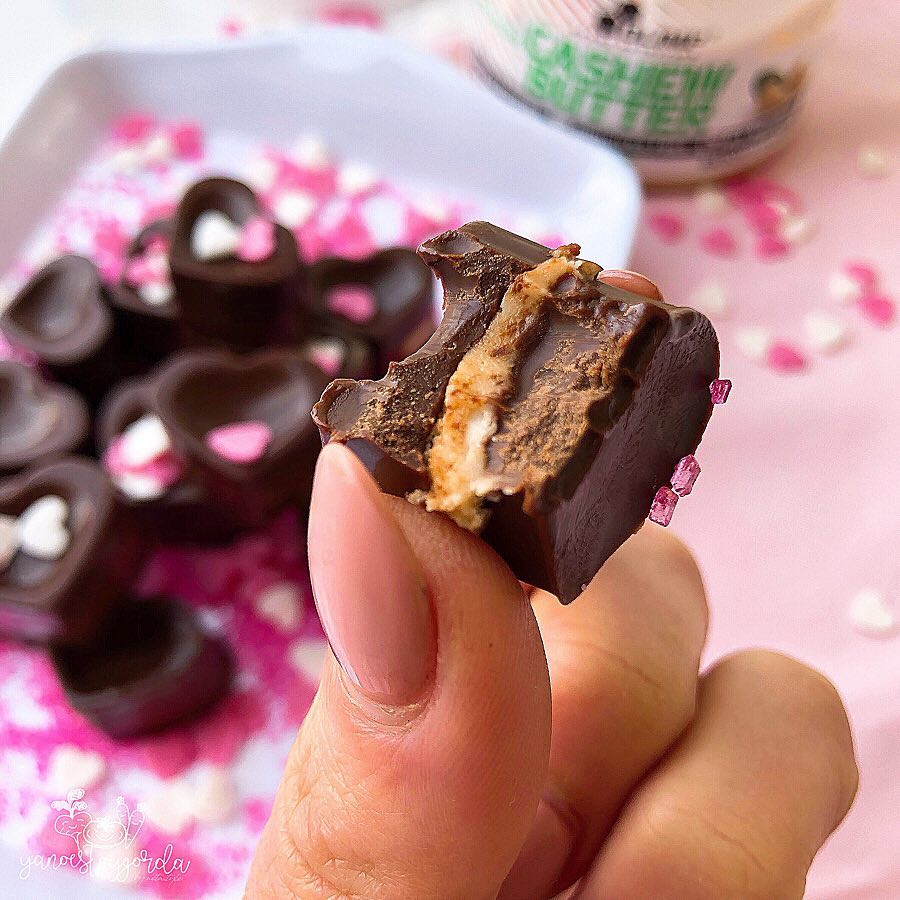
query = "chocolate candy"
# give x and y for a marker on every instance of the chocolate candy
(178, 513)
(68, 551)
(545, 412)
(144, 301)
(241, 303)
(385, 299)
(61, 315)
(38, 420)
(243, 424)
(150, 667)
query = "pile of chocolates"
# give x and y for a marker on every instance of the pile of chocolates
(176, 410)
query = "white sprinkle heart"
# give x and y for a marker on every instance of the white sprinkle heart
(872, 161)
(385, 219)
(311, 152)
(307, 657)
(825, 333)
(281, 605)
(9, 541)
(711, 201)
(796, 229)
(870, 613)
(262, 173)
(143, 441)
(172, 808)
(753, 342)
(139, 487)
(842, 288)
(356, 178)
(156, 293)
(710, 298)
(214, 796)
(157, 150)
(71, 767)
(42, 528)
(214, 236)
(293, 208)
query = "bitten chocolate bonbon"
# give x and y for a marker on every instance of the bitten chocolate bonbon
(149, 667)
(237, 275)
(61, 315)
(545, 412)
(38, 420)
(385, 299)
(71, 551)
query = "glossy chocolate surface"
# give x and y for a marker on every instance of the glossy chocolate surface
(65, 600)
(150, 667)
(38, 420)
(611, 390)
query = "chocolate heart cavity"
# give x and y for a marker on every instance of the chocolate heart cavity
(184, 513)
(239, 303)
(61, 315)
(200, 393)
(144, 301)
(150, 667)
(62, 593)
(38, 420)
(385, 299)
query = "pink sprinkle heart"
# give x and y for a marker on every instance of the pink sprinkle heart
(240, 442)
(257, 240)
(133, 128)
(354, 301)
(785, 358)
(187, 140)
(877, 308)
(862, 273)
(667, 226)
(770, 246)
(165, 469)
(762, 216)
(719, 242)
(362, 15)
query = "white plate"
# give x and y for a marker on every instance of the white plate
(413, 118)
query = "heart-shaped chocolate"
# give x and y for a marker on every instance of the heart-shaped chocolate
(150, 667)
(183, 513)
(61, 593)
(244, 424)
(38, 420)
(241, 303)
(144, 301)
(385, 299)
(61, 315)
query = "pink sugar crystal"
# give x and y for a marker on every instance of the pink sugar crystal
(669, 227)
(663, 506)
(771, 246)
(719, 242)
(187, 140)
(685, 475)
(257, 240)
(240, 442)
(877, 308)
(362, 15)
(785, 358)
(719, 390)
(354, 301)
(232, 27)
(862, 273)
(133, 128)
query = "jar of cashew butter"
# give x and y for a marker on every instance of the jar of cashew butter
(689, 89)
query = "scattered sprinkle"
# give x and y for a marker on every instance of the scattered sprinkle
(872, 161)
(663, 507)
(42, 529)
(70, 768)
(711, 200)
(770, 247)
(328, 354)
(796, 229)
(256, 241)
(156, 293)
(862, 274)
(356, 302)
(144, 441)
(158, 150)
(361, 15)
(785, 358)
(356, 178)
(711, 298)
(870, 613)
(824, 332)
(719, 390)
(311, 152)
(214, 796)
(240, 442)
(877, 308)
(762, 216)
(280, 605)
(842, 288)
(187, 141)
(133, 129)
(719, 242)
(308, 656)
(753, 342)
(261, 174)
(685, 475)
(214, 236)
(669, 227)
(294, 208)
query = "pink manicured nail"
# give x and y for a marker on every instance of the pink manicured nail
(368, 586)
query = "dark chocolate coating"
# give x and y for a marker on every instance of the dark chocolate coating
(62, 316)
(38, 420)
(66, 600)
(612, 390)
(403, 290)
(228, 302)
(151, 667)
(148, 332)
(358, 355)
(197, 391)
(186, 513)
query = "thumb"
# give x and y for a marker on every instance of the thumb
(419, 768)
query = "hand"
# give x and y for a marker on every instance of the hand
(432, 766)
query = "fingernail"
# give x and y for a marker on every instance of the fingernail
(630, 281)
(368, 586)
(543, 856)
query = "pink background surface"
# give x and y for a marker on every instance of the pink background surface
(797, 505)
